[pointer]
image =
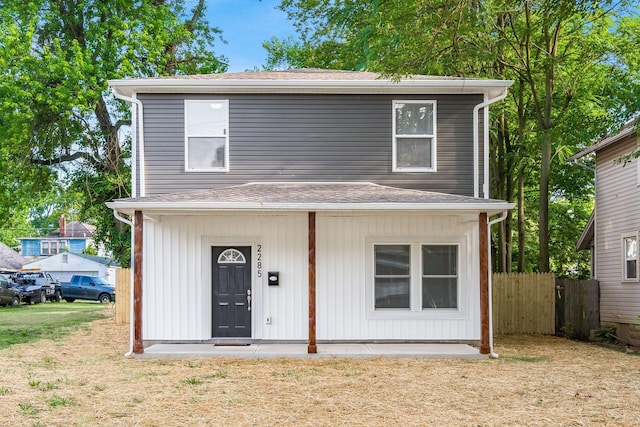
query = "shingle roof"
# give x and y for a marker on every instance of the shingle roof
(74, 229)
(308, 80)
(10, 259)
(309, 196)
(302, 74)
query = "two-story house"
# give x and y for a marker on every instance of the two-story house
(310, 206)
(614, 229)
(72, 236)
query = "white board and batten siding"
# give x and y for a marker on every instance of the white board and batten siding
(617, 215)
(177, 275)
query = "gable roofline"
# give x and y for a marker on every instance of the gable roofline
(627, 130)
(314, 81)
(586, 238)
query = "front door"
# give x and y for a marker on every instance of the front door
(231, 290)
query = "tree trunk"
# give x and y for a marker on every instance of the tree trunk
(521, 228)
(543, 213)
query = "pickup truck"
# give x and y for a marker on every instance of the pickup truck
(37, 286)
(89, 288)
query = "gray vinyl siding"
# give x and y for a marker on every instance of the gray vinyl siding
(617, 214)
(308, 138)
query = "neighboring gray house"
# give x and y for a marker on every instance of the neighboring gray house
(310, 206)
(10, 260)
(614, 230)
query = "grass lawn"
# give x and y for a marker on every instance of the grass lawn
(84, 379)
(27, 323)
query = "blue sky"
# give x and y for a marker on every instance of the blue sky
(245, 25)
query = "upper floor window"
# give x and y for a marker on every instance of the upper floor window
(206, 124)
(630, 257)
(414, 136)
(52, 247)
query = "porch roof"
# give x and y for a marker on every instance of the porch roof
(309, 197)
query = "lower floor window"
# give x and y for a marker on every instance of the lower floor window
(392, 276)
(432, 277)
(439, 276)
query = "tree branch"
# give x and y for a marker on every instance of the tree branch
(66, 158)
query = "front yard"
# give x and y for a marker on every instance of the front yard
(83, 379)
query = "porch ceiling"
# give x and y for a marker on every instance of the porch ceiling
(309, 197)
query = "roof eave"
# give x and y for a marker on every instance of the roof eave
(603, 143)
(130, 207)
(586, 238)
(128, 87)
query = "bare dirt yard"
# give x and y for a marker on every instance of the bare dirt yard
(84, 380)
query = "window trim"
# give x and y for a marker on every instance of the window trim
(415, 311)
(434, 143)
(60, 247)
(625, 278)
(225, 102)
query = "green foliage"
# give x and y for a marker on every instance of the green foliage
(575, 68)
(605, 333)
(58, 119)
(28, 323)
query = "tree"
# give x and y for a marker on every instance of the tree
(560, 55)
(57, 114)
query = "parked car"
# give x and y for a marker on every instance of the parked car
(37, 286)
(9, 295)
(90, 288)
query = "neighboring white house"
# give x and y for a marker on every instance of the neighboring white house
(65, 265)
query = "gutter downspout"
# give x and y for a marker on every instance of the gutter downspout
(120, 218)
(494, 221)
(476, 144)
(137, 131)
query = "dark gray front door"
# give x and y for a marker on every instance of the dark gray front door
(231, 282)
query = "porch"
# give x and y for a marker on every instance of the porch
(299, 350)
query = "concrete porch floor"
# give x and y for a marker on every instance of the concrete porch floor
(263, 351)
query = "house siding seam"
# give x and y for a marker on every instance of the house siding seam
(617, 213)
(314, 138)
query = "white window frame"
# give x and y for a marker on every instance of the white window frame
(395, 136)
(625, 277)
(415, 310)
(440, 276)
(225, 103)
(58, 245)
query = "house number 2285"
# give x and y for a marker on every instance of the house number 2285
(259, 260)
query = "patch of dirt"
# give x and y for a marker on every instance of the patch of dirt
(84, 380)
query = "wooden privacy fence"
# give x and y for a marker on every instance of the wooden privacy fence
(577, 307)
(123, 295)
(523, 303)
